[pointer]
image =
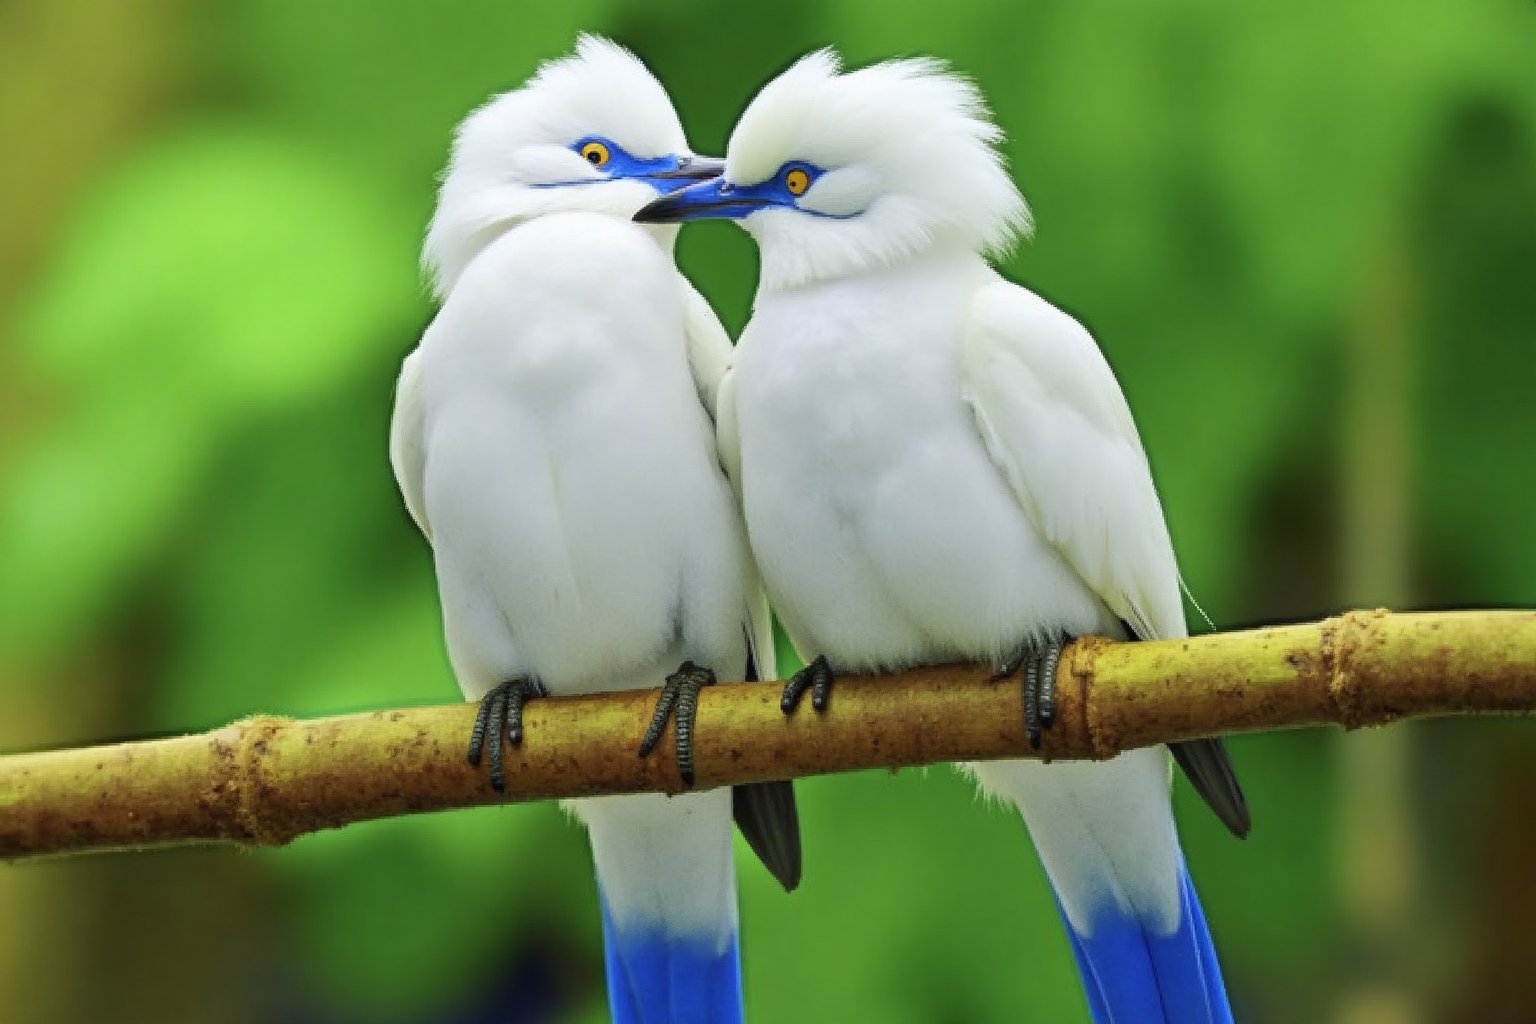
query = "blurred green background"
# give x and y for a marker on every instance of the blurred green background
(1305, 234)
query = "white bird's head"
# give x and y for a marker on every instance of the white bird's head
(594, 131)
(836, 172)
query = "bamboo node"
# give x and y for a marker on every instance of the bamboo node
(252, 790)
(1085, 656)
(1345, 637)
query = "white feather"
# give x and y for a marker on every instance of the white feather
(936, 464)
(583, 531)
(906, 147)
(552, 428)
(710, 354)
(728, 445)
(688, 839)
(405, 442)
(709, 347)
(1057, 425)
(519, 141)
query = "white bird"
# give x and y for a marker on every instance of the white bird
(938, 465)
(552, 438)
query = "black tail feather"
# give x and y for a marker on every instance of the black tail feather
(765, 812)
(1210, 770)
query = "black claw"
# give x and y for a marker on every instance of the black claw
(1009, 666)
(1048, 665)
(687, 713)
(482, 723)
(821, 691)
(680, 691)
(1032, 703)
(816, 677)
(1039, 663)
(501, 714)
(659, 718)
(498, 763)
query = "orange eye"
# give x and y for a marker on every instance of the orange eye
(797, 181)
(594, 153)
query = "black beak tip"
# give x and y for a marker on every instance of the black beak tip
(660, 211)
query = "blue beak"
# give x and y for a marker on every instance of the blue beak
(716, 198)
(663, 173)
(668, 174)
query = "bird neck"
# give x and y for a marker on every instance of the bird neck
(909, 273)
(460, 233)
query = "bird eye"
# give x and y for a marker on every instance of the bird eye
(797, 181)
(594, 153)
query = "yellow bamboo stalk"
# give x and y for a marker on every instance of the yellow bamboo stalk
(1379, 856)
(265, 780)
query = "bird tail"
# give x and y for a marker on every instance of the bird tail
(655, 978)
(1106, 837)
(1134, 971)
(667, 885)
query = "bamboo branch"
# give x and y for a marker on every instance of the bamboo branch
(265, 780)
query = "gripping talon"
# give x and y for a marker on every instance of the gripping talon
(1032, 721)
(518, 693)
(1039, 662)
(821, 690)
(687, 713)
(1049, 661)
(679, 692)
(501, 715)
(659, 718)
(498, 763)
(1008, 667)
(482, 722)
(816, 677)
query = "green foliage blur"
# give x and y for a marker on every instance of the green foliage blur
(1305, 234)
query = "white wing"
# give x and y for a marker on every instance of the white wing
(760, 629)
(710, 355)
(1055, 422)
(407, 451)
(728, 443)
(710, 352)
(727, 438)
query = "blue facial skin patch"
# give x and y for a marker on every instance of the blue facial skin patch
(721, 198)
(663, 173)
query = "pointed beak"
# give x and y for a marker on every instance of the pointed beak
(708, 199)
(693, 168)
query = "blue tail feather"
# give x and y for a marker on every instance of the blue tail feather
(654, 978)
(1134, 975)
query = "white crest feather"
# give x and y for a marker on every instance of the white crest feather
(911, 161)
(522, 138)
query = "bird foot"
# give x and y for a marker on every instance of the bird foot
(1039, 662)
(681, 691)
(501, 714)
(816, 677)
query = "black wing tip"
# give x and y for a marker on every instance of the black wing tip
(1235, 815)
(769, 821)
(1209, 769)
(788, 875)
